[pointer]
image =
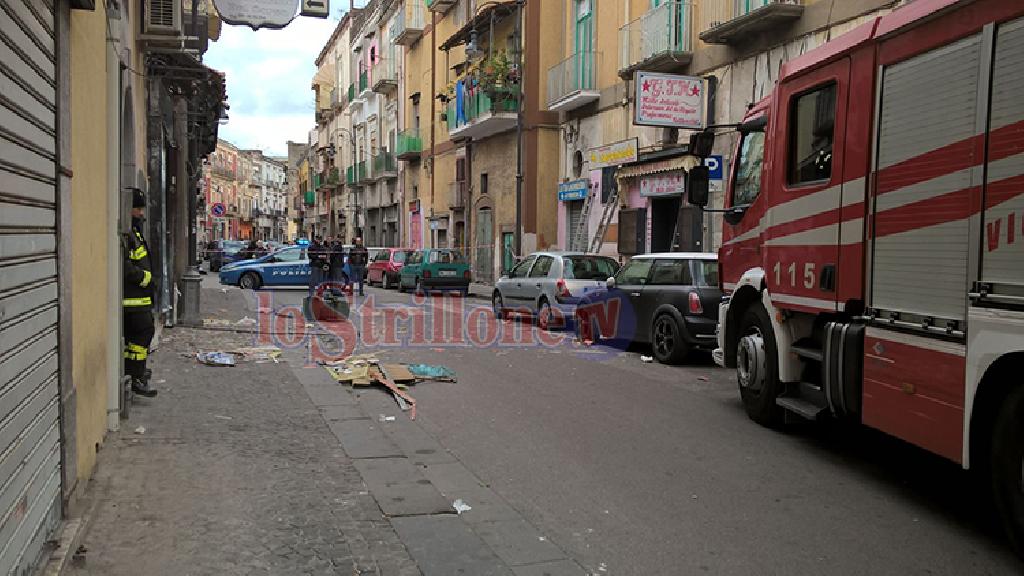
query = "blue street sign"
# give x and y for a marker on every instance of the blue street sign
(575, 190)
(218, 209)
(714, 164)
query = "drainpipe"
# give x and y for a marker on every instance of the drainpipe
(433, 116)
(519, 128)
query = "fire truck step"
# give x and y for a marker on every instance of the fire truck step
(800, 407)
(807, 351)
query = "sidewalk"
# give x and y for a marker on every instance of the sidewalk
(275, 468)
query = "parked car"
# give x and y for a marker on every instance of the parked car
(386, 266)
(435, 269)
(286, 267)
(221, 252)
(672, 301)
(549, 285)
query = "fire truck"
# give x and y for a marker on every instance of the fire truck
(873, 247)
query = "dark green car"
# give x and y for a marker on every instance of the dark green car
(435, 269)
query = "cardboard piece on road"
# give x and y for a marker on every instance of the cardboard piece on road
(398, 373)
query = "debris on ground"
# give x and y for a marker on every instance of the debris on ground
(367, 370)
(221, 417)
(430, 372)
(246, 322)
(140, 430)
(216, 358)
(383, 418)
(647, 359)
(216, 322)
(259, 353)
(460, 506)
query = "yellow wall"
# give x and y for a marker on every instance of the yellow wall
(90, 226)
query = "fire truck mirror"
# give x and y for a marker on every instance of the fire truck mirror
(697, 186)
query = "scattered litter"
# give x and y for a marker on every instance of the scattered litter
(702, 378)
(647, 359)
(384, 418)
(402, 404)
(161, 381)
(542, 539)
(461, 506)
(602, 567)
(693, 496)
(216, 322)
(440, 373)
(216, 358)
(246, 322)
(140, 430)
(259, 353)
(224, 290)
(220, 417)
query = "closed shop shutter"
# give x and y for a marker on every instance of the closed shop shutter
(29, 402)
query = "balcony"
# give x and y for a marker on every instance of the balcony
(350, 175)
(457, 196)
(409, 145)
(440, 6)
(573, 82)
(658, 41)
(731, 21)
(363, 173)
(483, 114)
(333, 177)
(409, 24)
(383, 76)
(364, 84)
(384, 165)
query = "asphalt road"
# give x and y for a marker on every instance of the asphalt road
(643, 469)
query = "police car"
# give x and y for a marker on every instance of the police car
(286, 267)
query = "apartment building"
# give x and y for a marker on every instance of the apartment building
(620, 185)
(221, 176)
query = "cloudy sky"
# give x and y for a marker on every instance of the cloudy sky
(268, 77)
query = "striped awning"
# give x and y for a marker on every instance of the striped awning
(667, 165)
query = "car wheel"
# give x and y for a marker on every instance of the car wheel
(401, 286)
(385, 281)
(1007, 467)
(757, 368)
(544, 314)
(249, 281)
(666, 340)
(419, 290)
(498, 306)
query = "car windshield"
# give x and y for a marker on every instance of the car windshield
(400, 256)
(589, 267)
(445, 257)
(231, 246)
(705, 273)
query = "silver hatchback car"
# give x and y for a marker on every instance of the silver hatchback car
(549, 285)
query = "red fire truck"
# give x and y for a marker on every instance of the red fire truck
(873, 250)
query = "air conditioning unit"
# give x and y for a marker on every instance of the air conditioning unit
(162, 17)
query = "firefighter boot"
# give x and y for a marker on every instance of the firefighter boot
(141, 387)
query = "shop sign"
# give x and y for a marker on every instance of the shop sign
(663, 184)
(257, 14)
(668, 100)
(575, 190)
(614, 154)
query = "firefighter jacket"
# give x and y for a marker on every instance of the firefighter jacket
(138, 273)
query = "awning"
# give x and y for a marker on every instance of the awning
(667, 165)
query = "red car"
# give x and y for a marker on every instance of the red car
(385, 266)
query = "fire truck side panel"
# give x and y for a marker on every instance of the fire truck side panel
(923, 184)
(1002, 259)
(913, 389)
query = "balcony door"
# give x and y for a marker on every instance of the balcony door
(667, 26)
(584, 68)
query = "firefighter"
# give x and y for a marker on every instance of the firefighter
(138, 301)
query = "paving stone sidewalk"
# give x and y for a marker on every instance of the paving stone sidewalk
(235, 473)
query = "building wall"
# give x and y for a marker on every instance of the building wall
(91, 226)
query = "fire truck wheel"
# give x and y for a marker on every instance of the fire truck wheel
(1008, 466)
(757, 368)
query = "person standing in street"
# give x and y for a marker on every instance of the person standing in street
(319, 264)
(338, 261)
(357, 260)
(137, 300)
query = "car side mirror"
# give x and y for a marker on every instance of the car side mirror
(610, 282)
(698, 184)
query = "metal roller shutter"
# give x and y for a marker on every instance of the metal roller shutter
(29, 434)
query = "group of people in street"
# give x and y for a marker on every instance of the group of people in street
(332, 261)
(255, 249)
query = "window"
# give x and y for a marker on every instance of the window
(399, 257)
(445, 257)
(523, 268)
(588, 268)
(288, 256)
(414, 258)
(635, 272)
(705, 273)
(542, 267)
(675, 272)
(812, 120)
(747, 184)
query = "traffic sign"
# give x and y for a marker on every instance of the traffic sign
(218, 209)
(714, 164)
